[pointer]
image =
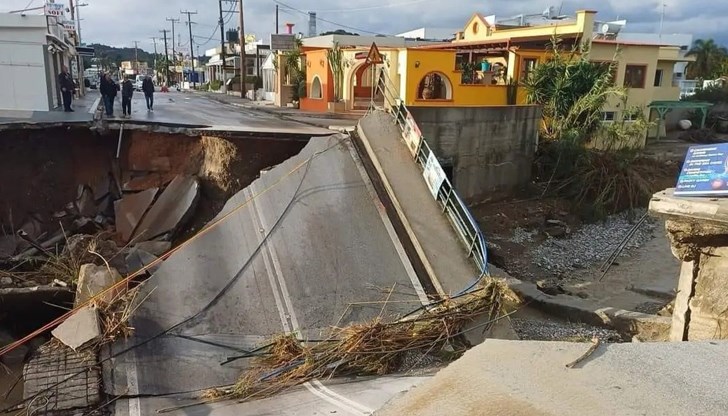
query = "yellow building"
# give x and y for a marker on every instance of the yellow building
(486, 62)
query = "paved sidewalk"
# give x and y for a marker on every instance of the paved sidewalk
(84, 107)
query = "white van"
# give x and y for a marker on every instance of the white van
(138, 82)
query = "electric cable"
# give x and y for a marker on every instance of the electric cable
(326, 20)
(220, 294)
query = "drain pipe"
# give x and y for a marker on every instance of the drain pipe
(118, 144)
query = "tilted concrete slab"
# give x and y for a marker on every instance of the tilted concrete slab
(130, 210)
(174, 206)
(306, 246)
(530, 378)
(435, 241)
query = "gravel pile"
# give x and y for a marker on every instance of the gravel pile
(592, 244)
(538, 330)
(521, 235)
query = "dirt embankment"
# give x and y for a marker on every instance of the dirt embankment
(43, 169)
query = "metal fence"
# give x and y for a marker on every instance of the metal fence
(385, 97)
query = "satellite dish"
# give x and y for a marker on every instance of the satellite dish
(549, 13)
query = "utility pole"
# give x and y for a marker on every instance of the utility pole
(222, 42)
(166, 55)
(192, 45)
(662, 18)
(174, 54)
(154, 70)
(136, 55)
(276, 19)
(242, 50)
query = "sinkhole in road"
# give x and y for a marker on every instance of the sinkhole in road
(47, 175)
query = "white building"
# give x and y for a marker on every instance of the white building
(33, 50)
(255, 55)
(430, 33)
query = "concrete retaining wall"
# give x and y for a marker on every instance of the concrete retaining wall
(491, 149)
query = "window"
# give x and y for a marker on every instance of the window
(475, 28)
(658, 78)
(631, 115)
(608, 116)
(634, 76)
(528, 65)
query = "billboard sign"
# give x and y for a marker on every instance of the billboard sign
(434, 175)
(283, 42)
(412, 134)
(54, 9)
(704, 172)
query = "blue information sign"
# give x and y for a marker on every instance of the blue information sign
(705, 171)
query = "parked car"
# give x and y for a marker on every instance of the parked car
(138, 82)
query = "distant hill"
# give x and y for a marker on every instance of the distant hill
(110, 54)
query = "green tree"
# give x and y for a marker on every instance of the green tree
(335, 56)
(709, 58)
(572, 91)
(296, 69)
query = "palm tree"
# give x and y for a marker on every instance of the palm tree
(709, 57)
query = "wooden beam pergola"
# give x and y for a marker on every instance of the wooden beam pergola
(664, 107)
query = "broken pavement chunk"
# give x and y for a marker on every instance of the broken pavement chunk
(79, 329)
(85, 202)
(137, 259)
(156, 248)
(93, 279)
(130, 210)
(173, 207)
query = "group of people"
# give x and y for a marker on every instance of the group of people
(109, 89)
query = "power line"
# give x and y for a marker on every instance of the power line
(365, 8)
(328, 21)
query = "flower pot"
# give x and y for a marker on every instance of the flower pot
(337, 107)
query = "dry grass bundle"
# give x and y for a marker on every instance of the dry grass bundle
(372, 348)
(115, 315)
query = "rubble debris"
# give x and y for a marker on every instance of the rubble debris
(591, 244)
(8, 245)
(93, 279)
(130, 210)
(6, 281)
(373, 348)
(79, 329)
(85, 204)
(172, 209)
(156, 248)
(137, 259)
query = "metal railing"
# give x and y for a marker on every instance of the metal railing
(452, 205)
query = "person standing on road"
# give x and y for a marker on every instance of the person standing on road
(148, 88)
(108, 90)
(127, 91)
(67, 88)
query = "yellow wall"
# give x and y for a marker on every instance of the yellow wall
(584, 24)
(417, 63)
(629, 55)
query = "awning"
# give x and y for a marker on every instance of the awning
(61, 44)
(664, 107)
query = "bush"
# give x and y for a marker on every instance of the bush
(714, 94)
(215, 85)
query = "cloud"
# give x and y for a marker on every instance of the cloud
(120, 23)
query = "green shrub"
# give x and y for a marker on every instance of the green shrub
(215, 85)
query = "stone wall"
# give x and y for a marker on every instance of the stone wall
(490, 149)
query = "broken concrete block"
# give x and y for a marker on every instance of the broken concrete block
(93, 279)
(130, 210)
(172, 209)
(156, 248)
(137, 259)
(85, 202)
(79, 329)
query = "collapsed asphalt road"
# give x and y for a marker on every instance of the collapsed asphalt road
(304, 247)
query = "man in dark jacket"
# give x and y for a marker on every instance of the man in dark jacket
(127, 90)
(108, 90)
(67, 88)
(148, 88)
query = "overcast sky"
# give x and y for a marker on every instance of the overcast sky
(121, 22)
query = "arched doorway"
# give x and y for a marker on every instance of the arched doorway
(434, 86)
(361, 86)
(316, 89)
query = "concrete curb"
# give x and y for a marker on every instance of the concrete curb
(278, 113)
(648, 327)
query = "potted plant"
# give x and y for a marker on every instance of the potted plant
(335, 57)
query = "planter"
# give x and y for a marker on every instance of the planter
(337, 107)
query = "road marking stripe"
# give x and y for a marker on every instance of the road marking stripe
(333, 401)
(94, 106)
(388, 225)
(288, 311)
(335, 395)
(132, 381)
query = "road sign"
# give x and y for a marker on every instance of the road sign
(85, 51)
(374, 57)
(283, 42)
